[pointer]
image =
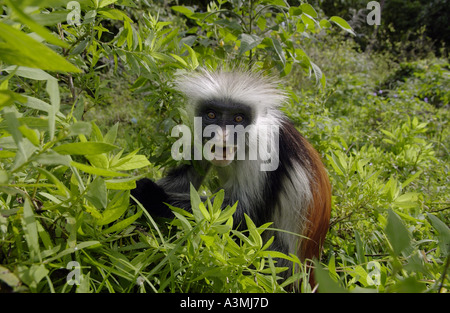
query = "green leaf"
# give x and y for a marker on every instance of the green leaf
(254, 234)
(308, 9)
(360, 253)
(248, 42)
(359, 274)
(193, 57)
(326, 283)
(52, 89)
(195, 203)
(62, 189)
(4, 177)
(31, 231)
(13, 129)
(444, 233)
(218, 200)
(7, 97)
(183, 10)
(409, 285)
(80, 128)
(391, 189)
(167, 39)
(96, 171)
(40, 30)
(342, 24)
(96, 133)
(116, 208)
(179, 59)
(204, 211)
(122, 224)
(309, 22)
(338, 164)
(183, 220)
(19, 49)
(233, 26)
(115, 14)
(84, 148)
(110, 137)
(50, 19)
(279, 50)
(9, 277)
(324, 23)
(30, 134)
(407, 200)
(389, 134)
(7, 154)
(37, 104)
(294, 11)
(208, 240)
(31, 73)
(411, 179)
(93, 211)
(51, 157)
(104, 3)
(97, 193)
(227, 213)
(99, 160)
(133, 162)
(332, 268)
(71, 250)
(32, 275)
(121, 184)
(320, 77)
(397, 233)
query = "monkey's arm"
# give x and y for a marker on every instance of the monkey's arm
(152, 197)
(173, 189)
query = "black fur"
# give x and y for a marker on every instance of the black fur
(152, 197)
(282, 196)
(174, 189)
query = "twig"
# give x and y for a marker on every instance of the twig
(434, 211)
(441, 285)
(334, 222)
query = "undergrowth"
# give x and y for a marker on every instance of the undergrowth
(88, 112)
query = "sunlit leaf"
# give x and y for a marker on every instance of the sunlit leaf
(17, 48)
(397, 233)
(342, 24)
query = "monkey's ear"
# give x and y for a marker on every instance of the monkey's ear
(152, 197)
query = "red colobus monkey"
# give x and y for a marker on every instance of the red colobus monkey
(292, 191)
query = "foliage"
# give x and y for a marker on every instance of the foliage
(266, 33)
(86, 112)
(387, 154)
(408, 29)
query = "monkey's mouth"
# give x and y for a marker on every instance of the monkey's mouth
(223, 155)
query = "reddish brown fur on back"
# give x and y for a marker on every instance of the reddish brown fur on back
(319, 211)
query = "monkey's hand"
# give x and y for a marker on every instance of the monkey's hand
(152, 197)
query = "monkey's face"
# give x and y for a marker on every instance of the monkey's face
(224, 121)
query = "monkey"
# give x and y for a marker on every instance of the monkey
(288, 185)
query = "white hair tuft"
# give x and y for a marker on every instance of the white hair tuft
(250, 88)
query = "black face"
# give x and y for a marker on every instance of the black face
(224, 112)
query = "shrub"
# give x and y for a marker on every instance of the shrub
(66, 223)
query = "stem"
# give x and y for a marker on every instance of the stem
(250, 28)
(44, 149)
(444, 274)
(35, 188)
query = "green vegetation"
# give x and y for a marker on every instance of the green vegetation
(86, 109)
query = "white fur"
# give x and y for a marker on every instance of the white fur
(243, 87)
(292, 211)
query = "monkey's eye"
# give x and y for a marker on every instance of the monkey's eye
(238, 118)
(211, 115)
